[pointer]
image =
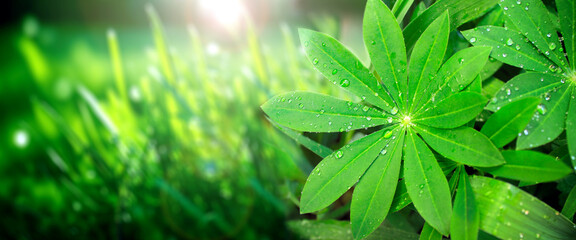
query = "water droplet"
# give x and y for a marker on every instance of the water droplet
(552, 46)
(323, 44)
(315, 61)
(542, 109)
(509, 42)
(368, 118)
(504, 55)
(383, 152)
(365, 108)
(473, 40)
(388, 134)
(338, 154)
(460, 60)
(334, 71)
(344, 83)
(517, 47)
(552, 68)
(394, 111)
(549, 35)
(487, 29)
(505, 8)
(518, 2)
(373, 42)
(461, 87)
(547, 96)
(389, 120)
(526, 132)
(508, 92)
(421, 186)
(301, 105)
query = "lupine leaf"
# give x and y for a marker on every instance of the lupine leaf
(312, 112)
(385, 43)
(341, 67)
(429, 233)
(571, 128)
(453, 111)
(530, 166)
(509, 47)
(341, 170)
(401, 197)
(424, 61)
(313, 146)
(426, 184)
(507, 212)
(491, 86)
(374, 193)
(567, 19)
(464, 145)
(465, 218)
(503, 126)
(400, 9)
(340, 230)
(569, 208)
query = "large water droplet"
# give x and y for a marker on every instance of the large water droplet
(542, 109)
(552, 46)
(338, 154)
(473, 40)
(509, 42)
(388, 134)
(344, 83)
(394, 111)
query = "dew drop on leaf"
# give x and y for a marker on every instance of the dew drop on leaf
(373, 42)
(301, 105)
(315, 61)
(365, 108)
(542, 109)
(334, 71)
(504, 55)
(344, 83)
(509, 42)
(473, 40)
(394, 111)
(552, 46)
(388, 134)
(383, 152)
(517, 47)
(338, 154)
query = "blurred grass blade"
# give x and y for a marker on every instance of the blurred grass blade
(400, 9)
(313, 146)
(530, 166)
(465, 218)
(312, 112)
(547, 123)
(567, 20)
(36, 61)
(161, 46)
(117, 67)
(429, 233)
(571, 128)
(531, 17)
(425, 59)
(374, 192)
(464, 145)
(453, 111)
(569, 208)
(97, 110)
(385, 43)
(293, 57)
(426, 184)
(340, 230)
(528, 84)
(341, 67)
(504, 125)
(507, 212)
(258, 61)
(509, 47)
(337, 173)
(460, 13)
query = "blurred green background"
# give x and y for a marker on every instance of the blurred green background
(141, 120)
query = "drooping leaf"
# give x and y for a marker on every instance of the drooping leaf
(548, 122)
(337, 173)
(401, 197)
(453, 111)
(312, 112)
(429, 233)
(427, 57)
(460, 13)
(571, 128)
(531, 18)
(374, 193)
(400, 9)
(567, 19)
(426, 184)
(507, 212)
(509, 47)
(503, 126)
(340, 230)
(385, 43)
(341, 67)
(529, 84)
(465, 218)
(464, 145)
(456, 73)
(569, 208)
(453, 183)
(530, 166)
(313, 146)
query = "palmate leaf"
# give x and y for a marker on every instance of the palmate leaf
(548, 123)
(312, 112)
(505, 124)
(426, 184)
(341, 67)
(385, 43)
(374, 193)
(465, 217)
(510, 47)
(567, 19)
(531, 17)
(454, 75)
(530, 166)
(571, 128)
(464, 145)
(453, 111)
(341, 170)
(426, 58)
(507, 212)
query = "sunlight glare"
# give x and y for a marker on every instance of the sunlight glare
(228, 13)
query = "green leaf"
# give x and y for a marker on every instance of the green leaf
(571, 128)
(427, 58)
(340, 230)
(509, 47)
(311, 145)
(456, 73)
(569, 208)
(567, 19)
(401, 197)
(465, 218)
(453, 183)
(548, 122)
(464, 145)
(337, 173)
(429, 233)
(529, 84)
(503, 126)
(453, 111)
(531, 18)
(385, 44)
(341, 67)
(507, 212)
(460, 13)
(491, 86)
(374, 193)
(312, 112)
(426, 184)
(530, 166)
(400, 9)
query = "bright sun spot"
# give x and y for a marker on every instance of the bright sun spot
(21, 138)
(228, 13)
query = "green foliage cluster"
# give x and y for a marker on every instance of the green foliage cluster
(434, 127)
